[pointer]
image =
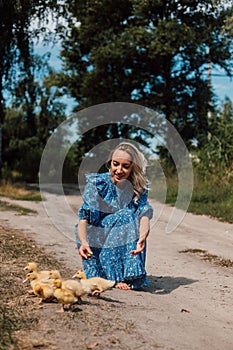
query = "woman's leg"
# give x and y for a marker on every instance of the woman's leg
(121, 230)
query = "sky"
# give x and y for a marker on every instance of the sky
(222, 85)
(55, 63)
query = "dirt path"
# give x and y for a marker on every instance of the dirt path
(189, 302)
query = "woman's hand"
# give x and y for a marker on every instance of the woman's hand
(139, 248)
(144, 229)
(85, 251)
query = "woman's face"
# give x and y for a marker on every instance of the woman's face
(121, 166)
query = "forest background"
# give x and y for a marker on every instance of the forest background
(157, 54)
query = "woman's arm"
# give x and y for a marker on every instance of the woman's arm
(84, 249)
(144, 230)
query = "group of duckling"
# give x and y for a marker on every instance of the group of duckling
(48, 284)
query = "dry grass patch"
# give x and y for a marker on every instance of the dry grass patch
(205, 255)
(4, 206)
(18, 192)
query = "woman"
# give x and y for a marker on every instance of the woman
(114, 220)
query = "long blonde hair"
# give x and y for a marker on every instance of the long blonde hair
(137, 176)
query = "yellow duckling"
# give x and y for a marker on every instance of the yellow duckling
(43, 290)
(97, 284)
(54, 274)
(63, 296)
(76, 287)
(33, 267)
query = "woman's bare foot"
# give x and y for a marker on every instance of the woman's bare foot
(122, 285)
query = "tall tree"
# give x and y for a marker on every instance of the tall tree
(154, 53)
(21, 22)
(35, 113)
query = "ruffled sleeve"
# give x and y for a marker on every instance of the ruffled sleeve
(95, 198)
(90, 209)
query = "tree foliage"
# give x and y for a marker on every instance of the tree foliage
(154, 53)
(21, 22)
(27, 110)
(34, 114)
(216, 155)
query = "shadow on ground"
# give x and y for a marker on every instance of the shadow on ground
(166, 284)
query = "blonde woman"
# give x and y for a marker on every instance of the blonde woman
(114, 220)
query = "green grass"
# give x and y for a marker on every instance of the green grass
(31, 196)
(212, 198)
(4, 206)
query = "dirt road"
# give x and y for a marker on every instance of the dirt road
(189, 304)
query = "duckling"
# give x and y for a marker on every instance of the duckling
(97, 284)
(32, 277)
(54, 274)
(63, 296)
(76, 287)
(33, 267)
(43, 290)
(29, 277)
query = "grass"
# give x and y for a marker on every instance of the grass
(18, 193)
(213, 197)
(215, 259)
(4, 206)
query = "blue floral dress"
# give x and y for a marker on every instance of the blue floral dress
(113, 230)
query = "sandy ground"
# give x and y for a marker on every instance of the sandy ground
(189, 304)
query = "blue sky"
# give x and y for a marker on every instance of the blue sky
(223, 86)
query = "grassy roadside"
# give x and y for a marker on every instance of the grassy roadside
(4, 206)
(213, 197)
(17, 193)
